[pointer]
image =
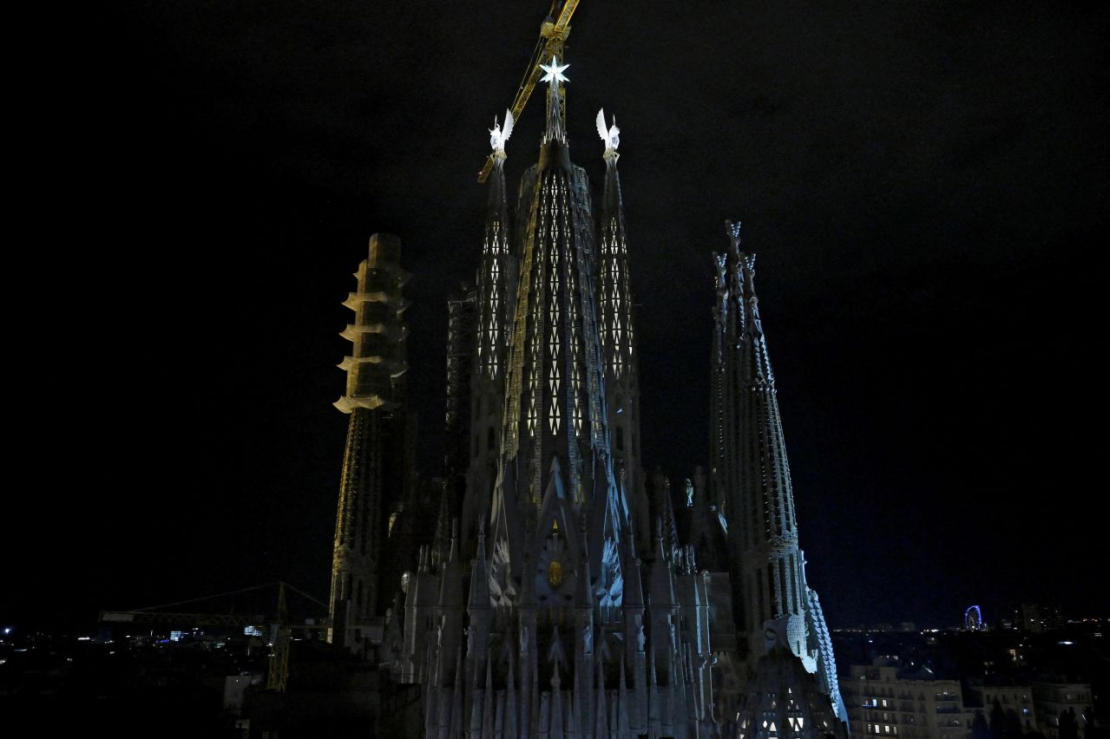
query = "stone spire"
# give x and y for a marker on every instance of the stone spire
(751, 474)
(555, 396)
(494, 294)
(557, 585)
(555, 129)
(493, 277)
(373, 477)
(618, 338)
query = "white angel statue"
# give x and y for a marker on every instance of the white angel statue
(611, 135)
(497, 135)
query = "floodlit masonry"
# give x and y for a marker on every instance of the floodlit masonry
(566, 594)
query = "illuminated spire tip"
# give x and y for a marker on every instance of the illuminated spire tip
(554, 72)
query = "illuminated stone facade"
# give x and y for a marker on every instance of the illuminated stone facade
(565, 593)
(751, 479)
(561, 623)
(566, 596)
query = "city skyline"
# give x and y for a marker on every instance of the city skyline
(924, 205)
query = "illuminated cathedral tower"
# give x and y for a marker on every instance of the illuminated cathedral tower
(494, 295)
(618, 335)
(562, 624)
(751, 477)
(555, 599)
(375, 464)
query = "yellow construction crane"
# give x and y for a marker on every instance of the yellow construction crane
(278, 676)
(553, 33)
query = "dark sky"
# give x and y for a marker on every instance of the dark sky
(924, 183)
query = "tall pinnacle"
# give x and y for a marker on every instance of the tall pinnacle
(492, 275)
(555, 412)
(616, 295)
(556, 129)
(618, 334)
(375, 396)
(751, 472)
(493, 299)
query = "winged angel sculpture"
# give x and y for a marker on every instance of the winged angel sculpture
(498, 135)
(611, 135)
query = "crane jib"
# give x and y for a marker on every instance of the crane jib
(552, 36)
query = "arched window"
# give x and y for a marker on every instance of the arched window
(620, 439)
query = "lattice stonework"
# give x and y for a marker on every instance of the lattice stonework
(751, 478)
(562, 624)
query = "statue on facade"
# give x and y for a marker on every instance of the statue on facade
(611, 135)
(498, 135)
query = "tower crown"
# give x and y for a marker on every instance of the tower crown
(556, 126)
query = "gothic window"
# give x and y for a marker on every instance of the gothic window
(620, 439)
(491, 440)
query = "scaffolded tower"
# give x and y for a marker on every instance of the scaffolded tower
(374, 462)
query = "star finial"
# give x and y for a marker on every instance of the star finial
(554, 71)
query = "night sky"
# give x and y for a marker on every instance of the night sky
(924, 183)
